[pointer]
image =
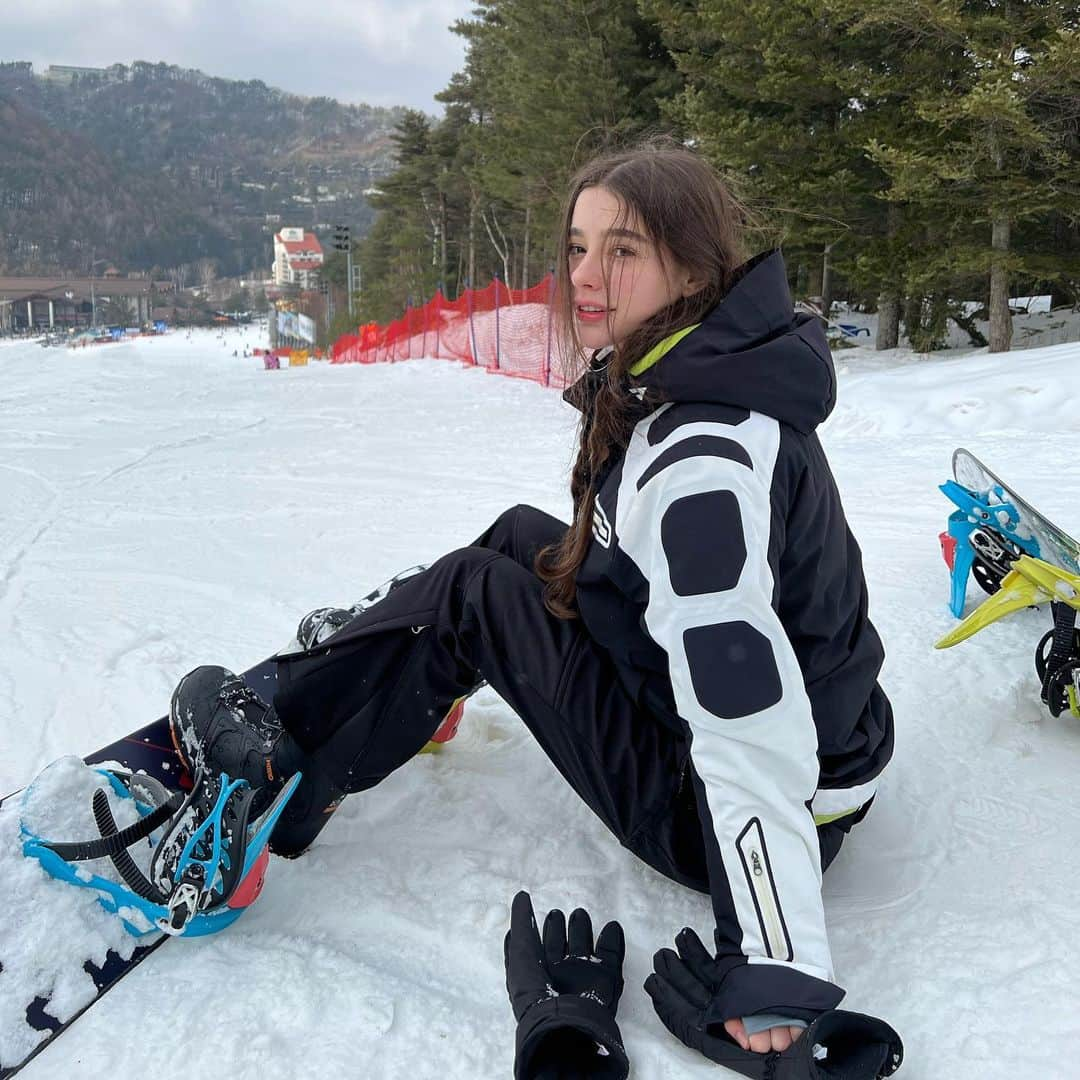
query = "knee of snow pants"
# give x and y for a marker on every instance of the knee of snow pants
(369, 699)
(521, 532)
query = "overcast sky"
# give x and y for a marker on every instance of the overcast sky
(383, 52)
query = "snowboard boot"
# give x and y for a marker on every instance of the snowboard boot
(218, 723)
(306, 814)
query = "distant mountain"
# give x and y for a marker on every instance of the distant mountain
(155, 165)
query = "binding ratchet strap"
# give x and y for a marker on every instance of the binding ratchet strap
(1061, 670)
(1061, 649)
(208, 856)
(112, 844)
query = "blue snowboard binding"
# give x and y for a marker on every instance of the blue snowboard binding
(984, 538)
(208, 857)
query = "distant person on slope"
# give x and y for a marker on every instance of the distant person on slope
(692, 653)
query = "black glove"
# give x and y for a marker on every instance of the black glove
(837, 1045)
(564, 994)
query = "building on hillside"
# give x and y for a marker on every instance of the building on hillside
(298, 258)
(68, 73)
(40, 303)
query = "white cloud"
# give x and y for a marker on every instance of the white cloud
(384, 52)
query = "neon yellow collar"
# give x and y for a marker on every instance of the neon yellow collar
(660, 350)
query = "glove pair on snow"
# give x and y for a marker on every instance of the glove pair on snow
(565, 990)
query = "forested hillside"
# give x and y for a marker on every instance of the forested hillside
(155, 166)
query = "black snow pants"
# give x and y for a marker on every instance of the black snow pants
(367, 700)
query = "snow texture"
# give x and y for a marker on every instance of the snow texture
(44, 918)
(167, 505)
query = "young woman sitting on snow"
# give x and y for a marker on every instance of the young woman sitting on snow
(693, 652)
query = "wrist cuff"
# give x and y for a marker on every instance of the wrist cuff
(569, 1032)
(748, 989)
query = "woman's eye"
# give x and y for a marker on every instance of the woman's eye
(625, 252)
(575, 249)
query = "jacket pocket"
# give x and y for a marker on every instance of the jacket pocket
(755, 863)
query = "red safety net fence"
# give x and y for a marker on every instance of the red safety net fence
(507, 331)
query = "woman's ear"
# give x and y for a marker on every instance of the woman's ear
(690, 285)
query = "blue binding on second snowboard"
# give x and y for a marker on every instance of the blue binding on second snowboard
(992, 527)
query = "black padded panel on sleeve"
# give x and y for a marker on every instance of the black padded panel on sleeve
(703, 542)
(732, 668)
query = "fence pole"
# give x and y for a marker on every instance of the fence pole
(472, 327)
(551, 313)
(497, 356)
(408, 327)
(438, 317)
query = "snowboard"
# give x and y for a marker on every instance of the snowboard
(150, 750)
(1055, 546)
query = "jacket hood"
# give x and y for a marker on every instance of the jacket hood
(751, 351)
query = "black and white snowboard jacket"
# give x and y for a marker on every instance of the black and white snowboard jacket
(727, 586)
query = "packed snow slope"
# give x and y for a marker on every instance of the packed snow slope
(167, 505)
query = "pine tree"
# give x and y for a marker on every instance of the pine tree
(767, 98)
(991, 93)
(548, 84)
(400, 257)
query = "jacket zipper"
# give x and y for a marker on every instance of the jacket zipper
(752, 852)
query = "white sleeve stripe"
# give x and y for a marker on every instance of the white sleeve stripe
(762, 765)
(831, 803)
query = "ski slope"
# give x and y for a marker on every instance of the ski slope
(166, 504)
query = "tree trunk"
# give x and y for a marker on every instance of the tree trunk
(813, 279)
(889, 299)
(471, 280)
(826, 282)
(913, 318)
(525, 254)
(888, 327)
(433, 218)
(1000, 317)
(933, 323)
(442, 236)
(503, 248)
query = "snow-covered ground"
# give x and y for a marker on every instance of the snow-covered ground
(166, 504)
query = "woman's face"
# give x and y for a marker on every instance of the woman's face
(637, 285)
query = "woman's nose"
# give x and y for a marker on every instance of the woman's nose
(587, 273)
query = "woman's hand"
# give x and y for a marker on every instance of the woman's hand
(777, 1038)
